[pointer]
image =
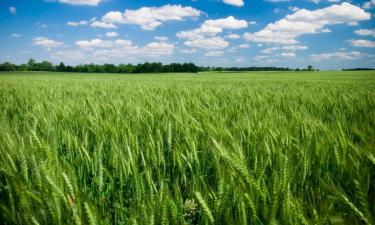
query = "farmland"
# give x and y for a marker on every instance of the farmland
(206, 148)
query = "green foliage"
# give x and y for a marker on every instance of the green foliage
(146, 67)
(250, 148)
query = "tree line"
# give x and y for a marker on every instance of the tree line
(356, 69)
(146, 67)
(254, 68)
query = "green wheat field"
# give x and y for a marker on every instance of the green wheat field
(207, 148)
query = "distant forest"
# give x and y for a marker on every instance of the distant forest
(146, 67)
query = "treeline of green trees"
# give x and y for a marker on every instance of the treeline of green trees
(268, 68)
(146, 67)
(355, 69)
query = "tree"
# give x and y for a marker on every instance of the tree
(7, 66)
(22, 67)
(46, 66)
(61, 67)
(31, 64)
(110, 68)
(310, 68)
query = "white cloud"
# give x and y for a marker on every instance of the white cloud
(47, 43)
(161, 38)
(225, 23)
(277, 10)
(369, 4)
(261, 57)
(365, 32)
(104, 25)
(233, 36)
(325, 30)
(252, 22)
(234, 2)
(12, 10)
(97, 43)
(288, 54)
(205, 35)
(15, 35)
(285, 31)
(293, 8)
(81, 2)
(158, 48)
(277, 0)
(269, 50)
(244, 46)
(76, 24)
(189, 51)
(286, 47)
(207, 43)
(318, 1)
(111, 34)
(336, 56)
(214, 53)
(124, 48)
(294, 47)
(362, 43)
(148, 18)
(213, 27)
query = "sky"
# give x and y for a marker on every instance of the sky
(328, 34)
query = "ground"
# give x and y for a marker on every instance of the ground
(206, 148)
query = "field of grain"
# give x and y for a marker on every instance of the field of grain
(207, 148)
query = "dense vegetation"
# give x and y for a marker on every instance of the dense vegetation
(355, 69)
(105, 68)
(249, 148)
(146, 67)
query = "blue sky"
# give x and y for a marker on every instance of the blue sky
(329, 34)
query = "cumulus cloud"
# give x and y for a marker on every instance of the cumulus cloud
(244, 46)
(369, 4)
(362, 43)
(124, 48)
(81, 2)
(93, 23)
(76, 24)
(207, 43)
(234, 2)
(213, 27)
(269, 50)
(365, 32)
(99, 43)
(104, 25)
(161, 38)
(277, 0)
(288, 54)
(294, 47)
(47, 43)
(214, 53)
(293, 8)
(336, 56)
(291, 48)
(318, 1)
(148, 18)
(111, 34)
(288, 29)
(205, 35)
(233, 36)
